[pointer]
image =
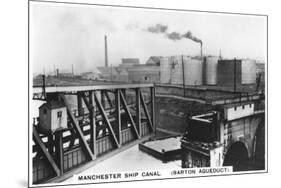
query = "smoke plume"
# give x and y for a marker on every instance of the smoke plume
(174, 36)
(191, 37)
(162, 29)
(158, 28)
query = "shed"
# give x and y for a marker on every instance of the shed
(52, 117)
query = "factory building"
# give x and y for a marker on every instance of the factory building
(122, 76)
(129, 62)
(108, 73)
(131, 71)
(144, 74)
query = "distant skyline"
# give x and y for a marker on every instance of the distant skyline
(66, 34)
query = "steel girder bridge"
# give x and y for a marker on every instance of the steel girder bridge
(103, 120)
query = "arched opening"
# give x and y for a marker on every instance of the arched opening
(237, 157)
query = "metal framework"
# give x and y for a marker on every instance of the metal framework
(105, 118)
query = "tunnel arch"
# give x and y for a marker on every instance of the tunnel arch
(237, 156)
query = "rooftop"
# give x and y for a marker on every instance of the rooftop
(53, 104)
(168, 144)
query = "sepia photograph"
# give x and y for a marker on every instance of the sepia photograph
(124, 93)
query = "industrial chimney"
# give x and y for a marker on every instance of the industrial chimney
(105, 51)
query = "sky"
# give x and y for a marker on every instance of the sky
(62, 35)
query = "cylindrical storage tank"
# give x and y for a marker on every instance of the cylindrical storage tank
(192, 71)
(176, 70)
(248, 71)
(165, 70)
(211, 70)
(229, 70)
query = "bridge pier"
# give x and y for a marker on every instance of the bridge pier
(232, 126)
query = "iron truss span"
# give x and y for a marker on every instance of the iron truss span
(55, 89)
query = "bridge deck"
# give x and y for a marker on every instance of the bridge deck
(54, 89)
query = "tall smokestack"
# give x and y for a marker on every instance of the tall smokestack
(105, 51)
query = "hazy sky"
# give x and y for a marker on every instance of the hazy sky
(65, 34)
